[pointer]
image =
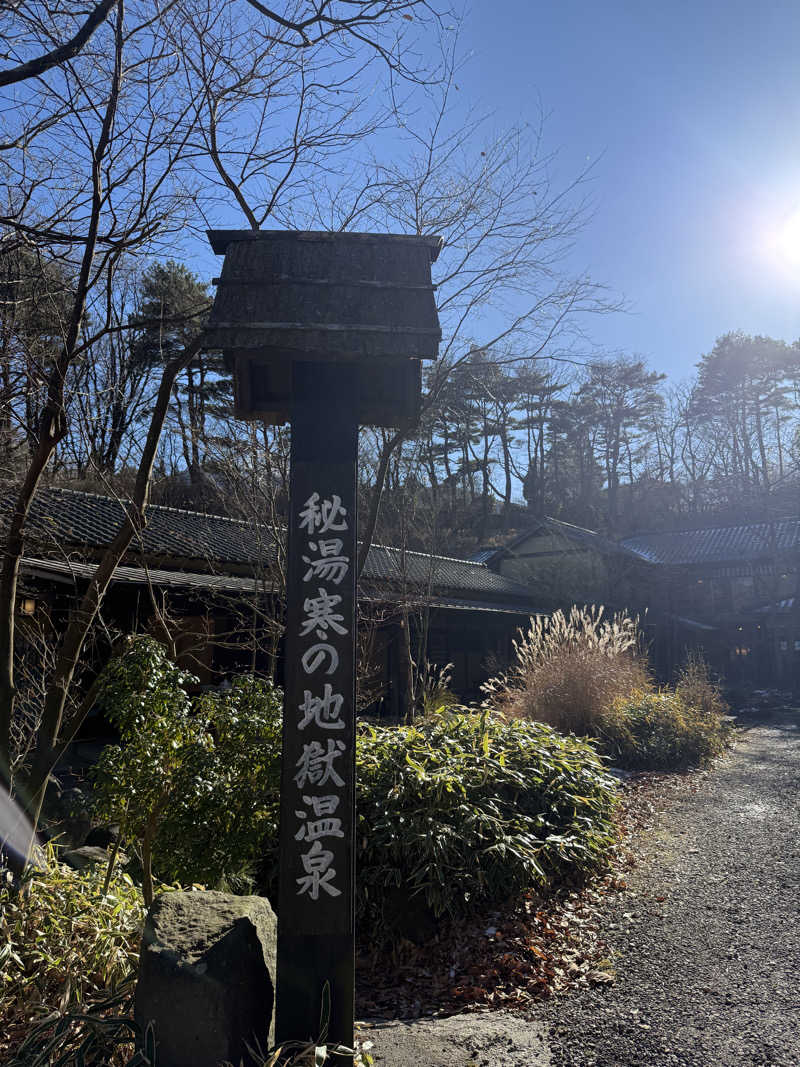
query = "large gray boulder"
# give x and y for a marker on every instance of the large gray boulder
(207, 977)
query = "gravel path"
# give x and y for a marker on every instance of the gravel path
(706, 941)
(709, 936)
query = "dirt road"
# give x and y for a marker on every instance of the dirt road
(707, 942)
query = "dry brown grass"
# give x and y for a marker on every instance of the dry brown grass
(697, 687)
(571, 668)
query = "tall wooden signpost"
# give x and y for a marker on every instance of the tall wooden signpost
(326, 331)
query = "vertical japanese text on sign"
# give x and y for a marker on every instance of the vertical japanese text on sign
(321, 708)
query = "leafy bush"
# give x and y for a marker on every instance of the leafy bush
(466, 808)
(570, 669)
(64, 943)
(195, 781)
(103, 1033)
(134, 783)
(659, 731)
(460, 809)
(69, 953)
(228, 795)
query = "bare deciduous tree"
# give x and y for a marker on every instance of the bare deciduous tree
(103, 151)
(61, 53)
(506, 229)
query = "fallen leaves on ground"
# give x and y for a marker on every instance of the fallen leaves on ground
(531, 948)
(505, 957)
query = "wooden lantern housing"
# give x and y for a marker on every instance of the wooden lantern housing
(286, 296)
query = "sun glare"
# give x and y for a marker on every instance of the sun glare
(783, 245)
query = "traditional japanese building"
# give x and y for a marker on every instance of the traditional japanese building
(730, 591)
(212, 585)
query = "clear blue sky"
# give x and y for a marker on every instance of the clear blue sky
(690, 113)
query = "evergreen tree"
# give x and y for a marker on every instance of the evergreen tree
(622, 398)
(173, 309)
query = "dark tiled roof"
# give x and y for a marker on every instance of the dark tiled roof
(751, 542)
(437, 572)
(453, 604)
(483, 555)
(577, 534)
(63, 519)
(70, 570)
(748, 544)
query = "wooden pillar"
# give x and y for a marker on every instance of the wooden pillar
(316, 897)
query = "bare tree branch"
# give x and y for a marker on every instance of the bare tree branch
(52, 421)
(56, 730)
(36, 67)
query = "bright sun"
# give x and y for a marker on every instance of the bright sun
(783, 245)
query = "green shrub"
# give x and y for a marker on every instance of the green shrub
(194, 781)
(64, 943)
(228, 795)
(569, 669)
(467, 808)
(69, 953)
(659, 731)
(144, 695)
(460, 809)
(104, 1034)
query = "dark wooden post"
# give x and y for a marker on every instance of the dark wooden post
(327, 330)
(316, 895)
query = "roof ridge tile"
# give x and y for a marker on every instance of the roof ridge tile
(120, 499)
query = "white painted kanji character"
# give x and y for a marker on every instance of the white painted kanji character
(320, 615)
(311, 514)
(315, 829)
(322, 711)
(314, 657)
(319, 873)
(332, 566)
(328, 546)
(324, 516)
(315, 765)
(325, 805)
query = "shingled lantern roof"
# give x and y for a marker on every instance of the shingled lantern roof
(288, 296)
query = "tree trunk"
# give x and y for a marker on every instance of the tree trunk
(407, 664)
(51, 426)
(147, 861)
(56, 731)
(507, 488)
(387, 449)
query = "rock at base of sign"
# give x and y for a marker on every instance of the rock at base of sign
(206, 977)
(90, 856)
